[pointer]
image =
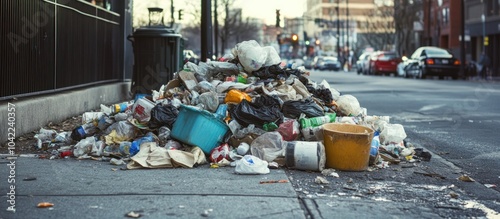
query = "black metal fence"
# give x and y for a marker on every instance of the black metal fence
(52, 45)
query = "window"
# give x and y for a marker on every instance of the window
(497, 6)
(445, 15)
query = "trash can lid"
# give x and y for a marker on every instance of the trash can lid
(155, 31)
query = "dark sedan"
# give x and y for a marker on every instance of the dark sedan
(432, 61)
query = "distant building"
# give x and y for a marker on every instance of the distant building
(349, 24)
(442, 28)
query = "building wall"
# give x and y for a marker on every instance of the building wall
(478, 31)
(445, 25)
(361, 21)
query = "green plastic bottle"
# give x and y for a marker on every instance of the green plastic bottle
(317, 121)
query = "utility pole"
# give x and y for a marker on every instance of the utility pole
(338, 29)
(347, 26)
(483, 20)
(216, 30)
(462, 36)
(172, 10)
(206, 30)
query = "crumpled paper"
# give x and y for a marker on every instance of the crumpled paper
(152, 156)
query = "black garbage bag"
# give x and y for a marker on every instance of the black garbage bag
(323, 94)
(272, 71)
(275, 72)
(267, 101)
(262, 110)
(293, 108)
(163, 116)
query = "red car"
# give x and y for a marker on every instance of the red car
(383, 62)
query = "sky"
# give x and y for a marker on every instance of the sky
(263, 9)
(266, 9)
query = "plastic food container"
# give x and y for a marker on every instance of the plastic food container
(198, 127)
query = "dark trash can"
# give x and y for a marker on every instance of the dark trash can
(157, 56)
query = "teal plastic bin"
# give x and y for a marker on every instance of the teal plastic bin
(197, 127)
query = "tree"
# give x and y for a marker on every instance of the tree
(380, 27)
(233, 29)
(406, 13)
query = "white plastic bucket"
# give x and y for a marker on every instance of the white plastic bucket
(142, 110)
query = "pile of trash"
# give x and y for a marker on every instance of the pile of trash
(247, 111)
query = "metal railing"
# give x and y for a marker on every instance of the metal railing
(54, 45)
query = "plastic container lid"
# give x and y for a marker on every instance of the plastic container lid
(155, 31)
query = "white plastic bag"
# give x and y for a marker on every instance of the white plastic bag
(268, 146)
(313, 133)
(250, 164)
(97, 148)
(392, 133)
(84, 146)
(205, 86)
(272, 56)
(124, 130)
(348, 105)
(251, 55)
(210, 100)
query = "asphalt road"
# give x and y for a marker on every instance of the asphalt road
(458, 120)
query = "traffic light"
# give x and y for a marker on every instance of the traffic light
(278, 20)
(180, 14)
(295, 38)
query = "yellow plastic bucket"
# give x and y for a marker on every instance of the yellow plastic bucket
(347, 146)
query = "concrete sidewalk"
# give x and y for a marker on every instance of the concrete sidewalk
(94, 189)
(98, 189)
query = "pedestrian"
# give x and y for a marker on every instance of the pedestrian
(484, 64)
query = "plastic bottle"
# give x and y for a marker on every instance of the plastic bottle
(136, 144)
(164, 134)
(375, 144)
(125, 147)
(243, 148)
(242, 78)
(112, 149)
(317, 121)
(83, 131)
(270, 127)
(118, 108)
(221, 111)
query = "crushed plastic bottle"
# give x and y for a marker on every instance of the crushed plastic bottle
(125, 147)
(83, 131)
(221, 111)
(375, 144)
(136, 144)
(270, 126)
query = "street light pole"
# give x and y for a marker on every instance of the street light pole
(338, 29)
(462, 41)
(347, 26)
(216, 30)
(206, 30)
(483, 19)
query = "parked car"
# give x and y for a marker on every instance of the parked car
(329, 63)
(360, 63)
(295, 63)
(308, 63)
(383, 62)
(316, 61)
(432, 61)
